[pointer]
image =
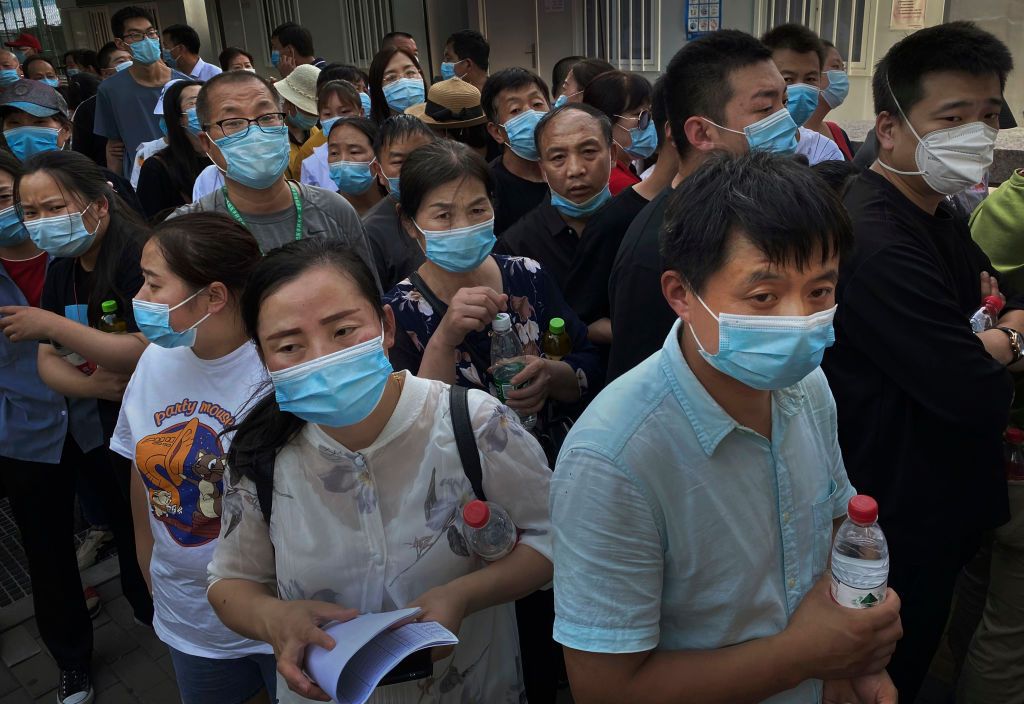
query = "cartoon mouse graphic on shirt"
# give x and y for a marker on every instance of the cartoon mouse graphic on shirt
(183, 470)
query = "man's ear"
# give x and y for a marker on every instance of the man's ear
(677, 294)
(886, 125)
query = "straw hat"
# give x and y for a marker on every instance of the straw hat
(299, 88)
(450, 105)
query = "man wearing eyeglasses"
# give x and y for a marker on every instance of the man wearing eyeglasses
(244, 134)
(125, 101)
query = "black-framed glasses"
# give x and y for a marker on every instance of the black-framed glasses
(643, 119)
(240, 125)
(132, 37)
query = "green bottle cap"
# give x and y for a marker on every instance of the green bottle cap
(109, 306)
(556, 326)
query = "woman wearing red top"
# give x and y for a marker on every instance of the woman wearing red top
(626, 99)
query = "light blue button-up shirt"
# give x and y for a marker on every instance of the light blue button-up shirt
(676, 528)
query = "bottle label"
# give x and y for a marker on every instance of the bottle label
(503, 390)
(856, 598)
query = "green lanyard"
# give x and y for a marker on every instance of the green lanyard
(237, 216)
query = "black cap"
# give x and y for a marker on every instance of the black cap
(34, 97)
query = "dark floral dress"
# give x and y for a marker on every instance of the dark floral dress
(533, 300)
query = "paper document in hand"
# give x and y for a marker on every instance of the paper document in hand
(365, 650)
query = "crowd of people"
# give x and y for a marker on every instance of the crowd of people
(234, 309)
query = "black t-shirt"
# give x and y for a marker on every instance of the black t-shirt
(514, 197)
(543, 235)
(395, 254)
(69, 287)
(156, 189)
(641, 318)
(83, 139)
(922, 406)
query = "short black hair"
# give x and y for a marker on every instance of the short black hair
(296, 36)
(340, 72)
(838, 174)
(960, 47)
(389, 39)
(345, 91)
(226, 78)
(795, 37)
(81, 87)
(364, 124)
(470, 44)
(103, 55)
(587, 70)
(508, 79)
(561, 69)
(659, 109)
(398, 128)
(118, 19)
(436, 164)
(84, 58)
(229, 55)
(781, 207)
(602, 121)
(697, 78)
(38, 57)
(184, 35)
(617, 92)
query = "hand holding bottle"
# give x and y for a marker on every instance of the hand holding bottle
(471, 309)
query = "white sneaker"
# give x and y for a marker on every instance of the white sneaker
(87, 551)
(74, 687)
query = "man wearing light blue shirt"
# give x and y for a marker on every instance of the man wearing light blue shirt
(693, 503)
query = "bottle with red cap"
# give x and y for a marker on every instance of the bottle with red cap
(1014, 454)
(860, 557)
(488, 529)
(986, 316)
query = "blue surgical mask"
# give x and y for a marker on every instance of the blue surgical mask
(21, 55)
(52, 82)
(168, 57)
(581, 210)
(302, 120)
(404, 93)
(448, 69)
(338, 389)
(460, 250)
(645, 141)
(351, 177)
(73, 72)
(838, 88)
(62, 235)
(801, 101)
(124, 65)
(28, 141)
(393, 187)
(9, 76)
(775, 134)
(146, 51)
(258, 158)
(154, 321)
(275, 58)
(769, 352)
(520, 130)
(364, 99)
(561, 100)
(326, 125)
(162, 124)
(193, 122)
(12, 229)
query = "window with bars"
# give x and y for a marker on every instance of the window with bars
(625, 33)
(367, 21)
(842, 22)
(277, 12)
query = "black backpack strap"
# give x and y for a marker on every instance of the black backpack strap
(439, 306)
(263, 471)
(465, 440)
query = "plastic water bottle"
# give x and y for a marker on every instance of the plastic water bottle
(860, 557)
(557, 344)
(111, 321)
(506, 353)
(488, 530)
(985, 317)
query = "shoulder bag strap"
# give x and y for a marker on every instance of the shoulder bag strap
(465, 440)
(441, 308)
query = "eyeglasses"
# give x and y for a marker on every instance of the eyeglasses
(241, 125)
(132, 37)
(643, 119)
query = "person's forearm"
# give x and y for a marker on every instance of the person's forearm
(520, 573)
(143, 531)
(600, 331)
(438, 361)
(564, 387)
(241, 605)
(114, 160)
(997, 344)
(63, 378)
(749, 672)
(116, 353)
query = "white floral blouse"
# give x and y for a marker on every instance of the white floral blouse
(373, 530)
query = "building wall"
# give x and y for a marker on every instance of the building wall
(1005, 19)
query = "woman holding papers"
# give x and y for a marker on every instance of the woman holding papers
(345, 490)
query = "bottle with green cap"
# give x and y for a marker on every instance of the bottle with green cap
(556, 341)
(110, 321)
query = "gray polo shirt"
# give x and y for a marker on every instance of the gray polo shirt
(324, 214)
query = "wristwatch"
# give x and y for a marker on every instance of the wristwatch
(1016, 343)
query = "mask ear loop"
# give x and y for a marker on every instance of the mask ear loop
(912, 131)
(705, 305)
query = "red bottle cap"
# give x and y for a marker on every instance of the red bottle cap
(1014, 436)
(993, 302)
(863, 510)
(476, 514)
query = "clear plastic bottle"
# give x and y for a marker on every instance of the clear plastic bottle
(557, 344)
(985, 317)
(110, 321)
(488, 530)
(1014, 454)
(860, 557)
(506, 353)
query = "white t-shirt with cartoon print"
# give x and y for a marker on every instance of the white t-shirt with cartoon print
(174, 410)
